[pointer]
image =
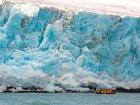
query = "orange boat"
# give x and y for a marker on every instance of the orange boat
(104, 91)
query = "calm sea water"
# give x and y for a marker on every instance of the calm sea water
(68, 99)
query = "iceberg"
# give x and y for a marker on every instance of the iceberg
(56, 50)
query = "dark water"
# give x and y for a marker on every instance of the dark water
(68, 99)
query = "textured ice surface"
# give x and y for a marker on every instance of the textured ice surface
(56, 50)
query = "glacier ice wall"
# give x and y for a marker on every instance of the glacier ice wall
(57, 50)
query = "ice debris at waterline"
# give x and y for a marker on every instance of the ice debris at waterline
(56, 50)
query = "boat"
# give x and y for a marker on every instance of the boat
(104, 91)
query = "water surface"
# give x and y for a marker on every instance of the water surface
(68, 99)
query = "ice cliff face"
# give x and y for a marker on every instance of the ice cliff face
(57, 50)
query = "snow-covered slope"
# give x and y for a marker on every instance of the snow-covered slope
(114, 7)
(58, 49)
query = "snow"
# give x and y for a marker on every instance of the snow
(114, 7)
(27, 9)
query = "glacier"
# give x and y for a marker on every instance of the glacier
(56, 50)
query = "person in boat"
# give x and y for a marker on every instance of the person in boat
(104, 91)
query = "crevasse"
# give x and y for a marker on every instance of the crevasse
(55, 50)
